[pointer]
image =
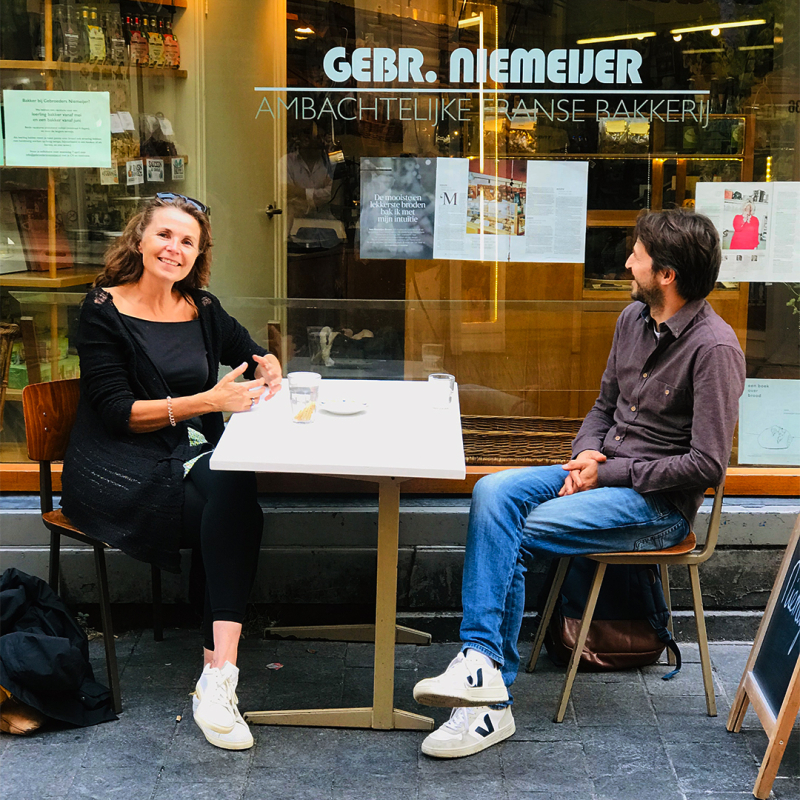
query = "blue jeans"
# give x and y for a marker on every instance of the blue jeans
(518, 513)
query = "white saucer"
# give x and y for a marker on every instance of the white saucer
(343, 406)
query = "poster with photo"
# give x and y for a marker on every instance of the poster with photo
(397, 207)
(759, 228)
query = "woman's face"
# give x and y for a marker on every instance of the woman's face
(170, 244)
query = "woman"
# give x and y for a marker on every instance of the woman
(745, 227)
(136, 474)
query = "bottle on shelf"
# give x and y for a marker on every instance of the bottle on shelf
(172, 50)
(116, 49)
(70, 33)
(156, 42)
(140, 49)
(39, 53)
(83, 34)
(97, 39)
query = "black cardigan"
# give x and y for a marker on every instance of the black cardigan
(126, 488)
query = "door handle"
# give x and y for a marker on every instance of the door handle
(272, 211)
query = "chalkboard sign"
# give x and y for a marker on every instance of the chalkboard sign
(771, 680)
(777, 658)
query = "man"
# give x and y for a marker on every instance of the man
(658, 435)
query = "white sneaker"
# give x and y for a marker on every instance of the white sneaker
(468, 731)
(239, 738)
(466, 682)
(216, 693)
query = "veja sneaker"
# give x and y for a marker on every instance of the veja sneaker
(216, 695)
(468, 731)
(239, 738)
(466, 682)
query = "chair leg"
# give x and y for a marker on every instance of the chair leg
(702, 640)
(544, 622)
(158, 616)
(586, 621)
(55, 555)
(108, 628)
(670, 627)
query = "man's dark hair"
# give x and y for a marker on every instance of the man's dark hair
(685, 242)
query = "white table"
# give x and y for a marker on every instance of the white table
(399, 436)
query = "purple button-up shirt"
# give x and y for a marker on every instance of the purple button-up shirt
(668, 405)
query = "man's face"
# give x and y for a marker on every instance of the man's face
(644, 286)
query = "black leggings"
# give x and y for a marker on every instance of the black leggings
(222, 517)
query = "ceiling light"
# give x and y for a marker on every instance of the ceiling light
(742, 24)
(619, 38)
(704, 50)
(677, 37)
(307, 29)
(757, 47)
(715, 31)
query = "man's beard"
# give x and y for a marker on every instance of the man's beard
(651, 296)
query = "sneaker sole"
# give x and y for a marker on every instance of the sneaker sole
(428, 696)
(210, 738)
(475, 747)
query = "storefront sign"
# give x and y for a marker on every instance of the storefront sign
(155, 170)
(178, 169)
(57, 129)
(109, 176)
(134, 170)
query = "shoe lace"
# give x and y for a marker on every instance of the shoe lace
(221, 691)
(459, 719)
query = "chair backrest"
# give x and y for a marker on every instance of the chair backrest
(713, 525)
(49, 410)
(8, 333)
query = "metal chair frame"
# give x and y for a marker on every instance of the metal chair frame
(49, 410)
(684, 553)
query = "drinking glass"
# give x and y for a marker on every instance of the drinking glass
(441, 387)
(303, 395)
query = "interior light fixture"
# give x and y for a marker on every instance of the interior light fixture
(618, 38)
(677, 37)
(719, 25)
(715, 31)
(757, 47)
(704, 50)
(307, 29)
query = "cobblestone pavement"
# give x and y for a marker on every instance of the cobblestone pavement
(626, 735)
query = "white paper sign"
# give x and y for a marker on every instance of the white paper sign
(166, 126)
(109, 176)
(769, 422)
(178, 168)
(135, 172)
(759, 228)
(127, 120)
(116, 124)
(155, 170)
(57, 129)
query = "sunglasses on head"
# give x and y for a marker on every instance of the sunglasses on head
(169, 196)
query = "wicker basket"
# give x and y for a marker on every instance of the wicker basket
(518, 440)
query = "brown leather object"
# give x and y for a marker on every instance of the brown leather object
(18, 718)
(611, 643)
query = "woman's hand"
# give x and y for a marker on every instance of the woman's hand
(269, 368)
(228, 395)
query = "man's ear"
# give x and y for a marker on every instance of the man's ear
(667, 277)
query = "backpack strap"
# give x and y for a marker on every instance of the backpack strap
(651, 592)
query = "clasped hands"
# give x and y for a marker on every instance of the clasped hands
(228, 395)
(581, 472)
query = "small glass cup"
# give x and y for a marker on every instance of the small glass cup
(303, 395)
(441, 387)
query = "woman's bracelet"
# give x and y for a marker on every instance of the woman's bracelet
(169, 411)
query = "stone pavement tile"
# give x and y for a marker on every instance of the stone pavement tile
(790, 763)
(176, 640)
(368, 793)
(473, 786)
(358, 689)
(689, 681)
(188, 749)
(433, 659)
(110, 784)
(40, 771)
(685, 719)
(544, 767)
(746, 795)
(294, 649)
(143, 672)
(533, 717)
(155, 704)
(137, 745)
(362, 654)
(209, 789)
(786, 788)
(640, 785)
(264, 784)
(729, 660)
(625, 751)
(601, 704)
(713, 767)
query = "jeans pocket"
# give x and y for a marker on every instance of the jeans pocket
(664, 538)
(653, 542)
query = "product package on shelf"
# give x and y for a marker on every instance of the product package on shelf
(30, 208)
(156, 135)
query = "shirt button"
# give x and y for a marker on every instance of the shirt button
(633, 408)
(666, 391)
(644, 374)
(616, 438)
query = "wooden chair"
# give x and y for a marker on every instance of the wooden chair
(8, 333)
(49, 410)
(684, 553)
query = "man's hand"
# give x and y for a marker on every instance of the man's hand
(582, 472)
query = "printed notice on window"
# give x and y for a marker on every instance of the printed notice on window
(759, 228)
(769, 422)
(57, 129)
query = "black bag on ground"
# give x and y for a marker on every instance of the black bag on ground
(629, 627)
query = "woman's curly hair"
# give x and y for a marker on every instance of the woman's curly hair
(123, 261)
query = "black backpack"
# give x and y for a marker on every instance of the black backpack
(629, 627)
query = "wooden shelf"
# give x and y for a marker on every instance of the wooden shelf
(42, 280)
(96, 69)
